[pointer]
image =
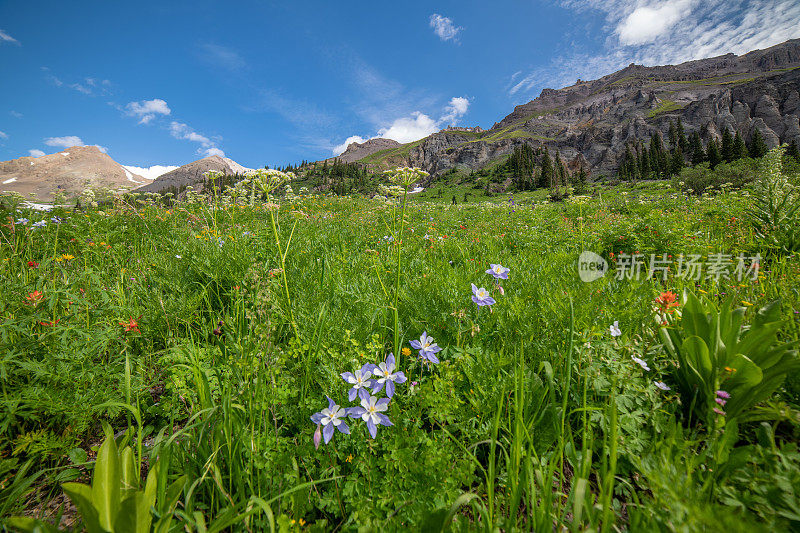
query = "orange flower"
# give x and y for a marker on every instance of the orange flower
(667, 301)
(50, 324)
(34, 297)
(131, 325)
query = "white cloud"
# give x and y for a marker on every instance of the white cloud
(222, 56)
(64, 142)
(3, 135)
(15, 114)
(208, 147)
(408, 129)
(443, 27)
(4, 37)
(414, 127)
(339, 149)
(102, 148)
(146, 110)
(646, 23)
(36, 153)
(151, 172)
(208, 152)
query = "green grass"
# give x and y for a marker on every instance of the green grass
(535, 419)
(666, 106)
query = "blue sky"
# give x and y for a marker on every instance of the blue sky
(165, 83)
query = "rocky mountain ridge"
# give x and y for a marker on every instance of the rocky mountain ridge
(69, 172)
(193, 174)
(590, 123)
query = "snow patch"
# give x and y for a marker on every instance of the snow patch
(9, 180)
(65, 154)
(38, 207)
(129, 175)
(32, 163)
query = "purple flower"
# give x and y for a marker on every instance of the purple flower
(360, 381)
(371, 412)
(661, 385)
(481, 296)
(640, 362)
(724, 395)
(498, 271)
(719, 411)
(386, 375)
(427, 348)
(720, 401)
(330, 418)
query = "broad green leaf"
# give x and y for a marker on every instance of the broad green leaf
(106, 484)
(696, 352)
(81, 496)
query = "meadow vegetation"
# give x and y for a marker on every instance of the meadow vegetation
(249, 360)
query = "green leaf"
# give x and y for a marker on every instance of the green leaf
(697, 356)
(106, 484)
(81, 496)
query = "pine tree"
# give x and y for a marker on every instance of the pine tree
(673, 135)
(676, 162)
(696, 149)
(682, 142)
(546, 177)
(644, 166)
(727, 145)
(793, 151)
(714, 156)
(581, 181)
(739, 147)
(657, 156)
(757, 145)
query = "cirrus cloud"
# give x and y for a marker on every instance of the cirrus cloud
(67, 141)
(444, 28)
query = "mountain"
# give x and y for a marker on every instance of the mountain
(590, 123)
(71, 171)
(356, 151)
(193, 174)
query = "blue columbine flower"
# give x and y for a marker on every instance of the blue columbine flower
(386, 375)
(427, 348)
(481, 296)
(360, 381)
(40, 224)
(614, 328)
(498, 271)
(56, 220)
(22, 221)
(330, 419)
(371, 412)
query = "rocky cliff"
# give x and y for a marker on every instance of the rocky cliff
(591, 122)
(193, 174)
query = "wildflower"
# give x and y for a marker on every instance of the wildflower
(67, 257)
(50, 324)
(498, 271)
(501, 290)
(360, 381)
(724, 395)
(386, 375)
(330, 418)
(406, 351)
(615, 331)
(427, 348)
(719, 411)
(721, 401)
(481, 296)
(131, 325)
(56, 220)
(40, 224)
(661, 385)
(218, 331)
(667, 301)
(34, 297)
(22, 221)
(371, 412)
(33, 264)
(640, 362)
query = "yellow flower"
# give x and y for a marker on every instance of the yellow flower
(406, 351)
(745, 302)
(67, 257)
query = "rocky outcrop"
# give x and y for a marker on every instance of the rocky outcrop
(356, 151)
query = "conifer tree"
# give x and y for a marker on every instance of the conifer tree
(713, 153)
(682, 142)
(739, 147)
(546, 177)
(696, 149)
(676, 162)
(793, 151)
(757, 145)
(673, 135)
(644, 165)
(727, 145)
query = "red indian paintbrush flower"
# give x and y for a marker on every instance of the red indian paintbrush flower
(131, 325)
(667, 301)
(33, 264)
(34, 297)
